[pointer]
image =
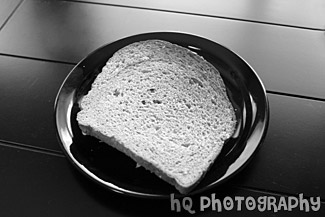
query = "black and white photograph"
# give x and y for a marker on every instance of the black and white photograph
(124, 108)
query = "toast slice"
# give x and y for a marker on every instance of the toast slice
(162, 105)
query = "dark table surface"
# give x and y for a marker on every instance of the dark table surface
(41, 41)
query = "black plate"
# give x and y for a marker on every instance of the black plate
(115, 170)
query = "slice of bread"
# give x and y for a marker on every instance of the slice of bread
(162, 105)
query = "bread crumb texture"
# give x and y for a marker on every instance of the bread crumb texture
(166, 107)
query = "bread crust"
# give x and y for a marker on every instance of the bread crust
(113, 142)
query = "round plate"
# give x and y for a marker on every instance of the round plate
(114, 170)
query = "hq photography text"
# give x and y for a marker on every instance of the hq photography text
(239, 203)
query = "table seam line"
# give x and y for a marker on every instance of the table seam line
(11, 14)
(38, 59)
(32, 148)
(295, 95)
(201, 15)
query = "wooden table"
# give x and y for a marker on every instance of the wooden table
(41, 41)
